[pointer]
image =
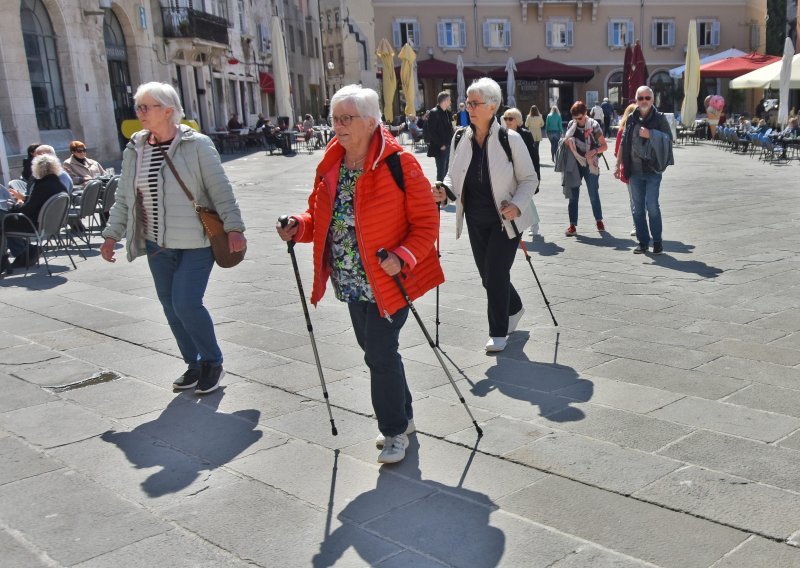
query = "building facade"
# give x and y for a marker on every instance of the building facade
(589, 34)
(69, 68)
(348, 40)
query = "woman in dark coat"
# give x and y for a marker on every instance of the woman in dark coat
(45, 171)
(512, 119)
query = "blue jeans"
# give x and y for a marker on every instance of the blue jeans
(644, 190)
(181, 277)
(554, 137)
(593, 187)
(379, 338)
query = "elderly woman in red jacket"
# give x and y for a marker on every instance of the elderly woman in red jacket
(355, 209)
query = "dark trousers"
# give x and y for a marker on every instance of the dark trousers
(379, 338)
(442, 162)
(494, 255)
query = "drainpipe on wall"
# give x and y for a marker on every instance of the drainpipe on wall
(641, 23)
(475, 17)
(5, 172)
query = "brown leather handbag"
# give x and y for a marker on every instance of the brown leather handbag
(212, 224)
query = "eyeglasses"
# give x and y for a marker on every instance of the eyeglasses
(474, 104)
(344, 119)
(144, 109)
(578, 116)
(509, 118)
(643, 98)
(80, 150)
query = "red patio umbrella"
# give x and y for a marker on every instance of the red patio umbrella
(626, 71)
(638, 72)
(733, 67)
(539, 69)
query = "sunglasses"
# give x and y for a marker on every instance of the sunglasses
(80, 150)
(509, 118)
(643, 98)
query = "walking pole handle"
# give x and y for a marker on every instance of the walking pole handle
(284, 222)
(450, 195)
(504, 204)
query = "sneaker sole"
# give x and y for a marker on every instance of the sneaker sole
(176, 386)
(393, 459)
(213, 388)
(379, 442)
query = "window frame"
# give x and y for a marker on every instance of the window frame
(569, 33)
(654, 35)
(630, 33)
(714, 33)
(397, 32)
(441, 34)
(488, 32)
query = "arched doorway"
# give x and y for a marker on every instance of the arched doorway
(118, 72)
(45, 75)
(663, 91)
(614, 90)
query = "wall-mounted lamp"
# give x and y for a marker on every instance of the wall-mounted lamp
(330, 65)
(430, 51)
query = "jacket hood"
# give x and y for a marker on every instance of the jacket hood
(382, 145)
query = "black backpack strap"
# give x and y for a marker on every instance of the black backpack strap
(459, 135)
(396, 169)
(502, 135)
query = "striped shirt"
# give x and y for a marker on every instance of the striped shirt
(147, 186)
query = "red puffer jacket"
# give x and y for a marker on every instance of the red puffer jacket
(405, 223)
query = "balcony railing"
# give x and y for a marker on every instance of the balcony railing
(188, 23)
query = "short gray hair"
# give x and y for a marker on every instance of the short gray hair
(44, 165)
(366, 101)
(645, 88)
(44, 149)
(489, 91)
(165, 94)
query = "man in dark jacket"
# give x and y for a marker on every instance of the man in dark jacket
(646, 127)
(608, 112)
(440, 132)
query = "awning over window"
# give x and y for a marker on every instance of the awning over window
(736, 66)
(266, 82)
(538, 69)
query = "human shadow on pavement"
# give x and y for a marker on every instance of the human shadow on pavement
(606, 239)
(450, 524)
(542, 247)
(698, 267)
(517, 377)
(186, 439)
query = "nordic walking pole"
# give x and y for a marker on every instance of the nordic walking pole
(450, 195)
(530, 263)
(284, 221)
(383, 255)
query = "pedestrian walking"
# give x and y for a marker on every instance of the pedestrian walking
(512, 119)
(462, 117)
(554, 128)
(356, 209)
(597, 113)
(619, 170)
(646, 150)
(534, 122)
(608, 114)
(155, 217)
(481, 177)
(439, 127)
(584, 141)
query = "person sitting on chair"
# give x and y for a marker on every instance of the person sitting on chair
(66, 179)
(79, 167)
(45, 170)
(233, 123)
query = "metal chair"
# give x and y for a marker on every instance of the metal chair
(52, 221)
(87, 208)
(106, 200)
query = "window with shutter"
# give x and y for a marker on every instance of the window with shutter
(396, 34)
(569, 40)
(558, 33)
(451, 34)
(620, 33)
(708, 33)
(405, 30)
(496, 34)
(663, 33)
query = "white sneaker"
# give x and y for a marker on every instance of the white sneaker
(410, 429)
(394, 449)
(513, 321)
(534, 230)
(496, 344)
(633, 232)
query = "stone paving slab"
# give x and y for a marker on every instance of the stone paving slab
(761, 552)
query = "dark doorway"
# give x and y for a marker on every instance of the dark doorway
(118, 73)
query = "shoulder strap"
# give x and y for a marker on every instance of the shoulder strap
(502, 135)
(396, 169)
(175, 172)
(459, 135)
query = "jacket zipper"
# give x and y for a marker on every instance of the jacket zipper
(360, 237)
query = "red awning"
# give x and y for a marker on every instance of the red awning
(266, 82)
(733, 67)
(433, 68)
(538, 69)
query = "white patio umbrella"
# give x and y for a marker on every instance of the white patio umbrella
(769, 77)
(461, 87)
(786, 76)
(280, 69)
(511, 84)
(691, 78)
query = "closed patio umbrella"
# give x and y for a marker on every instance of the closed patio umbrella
(691, 78)
(786, 75)
(280, 68)
(638, 72)
(386, 54)
(407, 57)
(626, 73)
(461, 88)
(511, 85)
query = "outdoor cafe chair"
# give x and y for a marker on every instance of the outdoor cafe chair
(86, 210)
(52, 221)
